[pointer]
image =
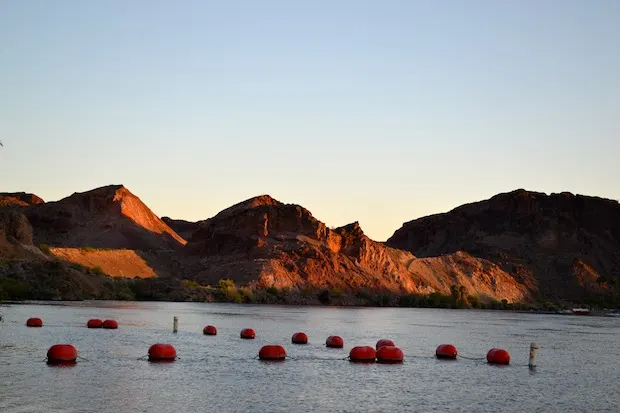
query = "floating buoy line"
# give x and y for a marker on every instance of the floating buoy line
(162, 353)
(94, 323)
(248, 334)
(385, 351)
(34, 322)
(110, 324)
(299, 338)
(334, 342)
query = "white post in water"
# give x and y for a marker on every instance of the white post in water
(175, 324)
(533, 348)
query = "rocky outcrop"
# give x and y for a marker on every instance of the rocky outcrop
(15, 233)
(107, 217)
(264, 242)
(19, 199)
(15, 228)
(558, 245)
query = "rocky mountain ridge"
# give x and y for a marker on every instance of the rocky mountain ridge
(558, 246)
(516, 247)
(267, 243)
(19, 199)
(107, 217)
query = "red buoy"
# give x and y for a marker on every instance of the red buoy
(334, 342)
(94, 323)
(110, 324)
(209, 331)
(34, 322)
(62, 354)
(498, 356)
(162, 352)
(446, 351)
(390, 355)
(299, 338)
(248, 333)
(363, 354)
(384, 342)
(272, 352)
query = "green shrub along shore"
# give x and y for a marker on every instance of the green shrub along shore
(55, 280)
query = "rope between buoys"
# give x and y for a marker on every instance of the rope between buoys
(82, 358)
(301, 358)
(420, 356)
(308, 358)
(471, 358)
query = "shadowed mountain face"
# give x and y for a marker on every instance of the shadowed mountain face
(558, 246)
(15, 234)
(264, 242)
(185, 229)
(108, 217)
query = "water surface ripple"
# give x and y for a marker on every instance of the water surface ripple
(578, 362)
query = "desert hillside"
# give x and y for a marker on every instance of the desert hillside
(560, 246)
(107, 217)
(107, 229)
(19, 199)
(117, 263)
(516, 247)
(15, 235)
(266, 243)
(28, 273)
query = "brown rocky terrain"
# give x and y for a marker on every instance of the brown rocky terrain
(266, 243)
(28, 273)
(19, 199)
(108, 217)
(519, 246)
(117, 263)
(559, 246)
(15, 235)
(108, 229)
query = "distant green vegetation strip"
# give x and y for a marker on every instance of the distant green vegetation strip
(60, 280)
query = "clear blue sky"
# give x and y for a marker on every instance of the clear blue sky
(375, 111)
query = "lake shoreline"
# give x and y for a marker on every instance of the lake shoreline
(566, 312)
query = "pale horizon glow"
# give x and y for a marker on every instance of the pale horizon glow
(372, 111)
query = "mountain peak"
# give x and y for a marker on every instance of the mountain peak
(19, 199)
(109, 216)
(251, 203)
(108, 190)
(353, 228)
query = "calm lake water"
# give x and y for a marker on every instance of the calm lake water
(578, 361)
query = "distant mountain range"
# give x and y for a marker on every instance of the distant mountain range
(517, 247)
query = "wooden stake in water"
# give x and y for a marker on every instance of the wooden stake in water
(533, 348)
(175, 324)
